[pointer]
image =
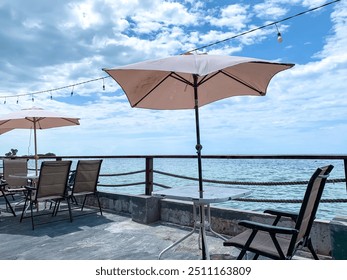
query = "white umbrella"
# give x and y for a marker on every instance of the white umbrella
(34, 118)
(191, 81)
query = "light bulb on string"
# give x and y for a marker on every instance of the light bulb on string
(279, 36)
(103, 84)
(72, 90)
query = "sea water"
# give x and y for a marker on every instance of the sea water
(231, 170)
(239, 170)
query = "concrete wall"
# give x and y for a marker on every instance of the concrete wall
(148, 209)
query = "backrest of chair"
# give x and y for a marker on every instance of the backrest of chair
(53, 178)
(311, 201)
(15, 167)
(86, 176)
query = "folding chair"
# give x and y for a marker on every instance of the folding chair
(85, 180)
(51, 186)
(279, 242)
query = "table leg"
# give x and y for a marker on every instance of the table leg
(178, 241)
(209, 224)
(202, 233)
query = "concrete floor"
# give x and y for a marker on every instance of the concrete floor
(91, 236)
(94, 237)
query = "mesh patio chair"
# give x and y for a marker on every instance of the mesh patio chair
(51, 187)
(279, 242)
(15, 185)
(15, 167)
(84, 181)
(4, 193)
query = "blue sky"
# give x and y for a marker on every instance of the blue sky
(51, 44)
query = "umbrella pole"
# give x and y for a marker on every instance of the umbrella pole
(35, 144)
(198, 146)
(198, 151)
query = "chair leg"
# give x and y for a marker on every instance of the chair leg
(56, 208)
(84, 201)
(97, 196)
(69, 206)
(25, 205)
(246, 246)
(32, 214)
(8, 203)
(310, 247)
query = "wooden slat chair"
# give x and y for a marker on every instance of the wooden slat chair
(51, 186)
(85, 181)
(279, 242)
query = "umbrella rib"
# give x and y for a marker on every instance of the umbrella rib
(207, 78)
(242, 82)
(180, 78)
(69, 120)
(148, 93)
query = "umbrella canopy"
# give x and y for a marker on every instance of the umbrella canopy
(34, 118)
(191, 81)
(169, 83)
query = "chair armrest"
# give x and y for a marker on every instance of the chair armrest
(31, 188)
(279, 213)
(268, 228)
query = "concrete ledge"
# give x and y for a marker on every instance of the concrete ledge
(142, 208)
(338, 232)
(146, 209)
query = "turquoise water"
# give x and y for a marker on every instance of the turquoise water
(241, 170)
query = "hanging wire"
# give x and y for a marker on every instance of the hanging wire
(264, 26)
(193, 50)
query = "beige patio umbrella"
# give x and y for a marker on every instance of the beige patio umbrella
(34, 118)
(191, 81)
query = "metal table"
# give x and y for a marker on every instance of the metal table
(201, 208)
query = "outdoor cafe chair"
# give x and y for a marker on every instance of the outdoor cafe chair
(4, 193)
(282, 242)
(13, 174)
(51, 186)
(84, 181)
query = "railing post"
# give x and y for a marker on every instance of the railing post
(345, 166)
(149, 175)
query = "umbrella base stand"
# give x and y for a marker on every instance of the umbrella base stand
(201, 212)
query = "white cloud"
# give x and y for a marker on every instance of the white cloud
(59, 43)
(270, 9)
(235, 17)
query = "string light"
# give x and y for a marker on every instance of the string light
(279, 36)
(49, 91)
(103, 84)
(279, 39)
